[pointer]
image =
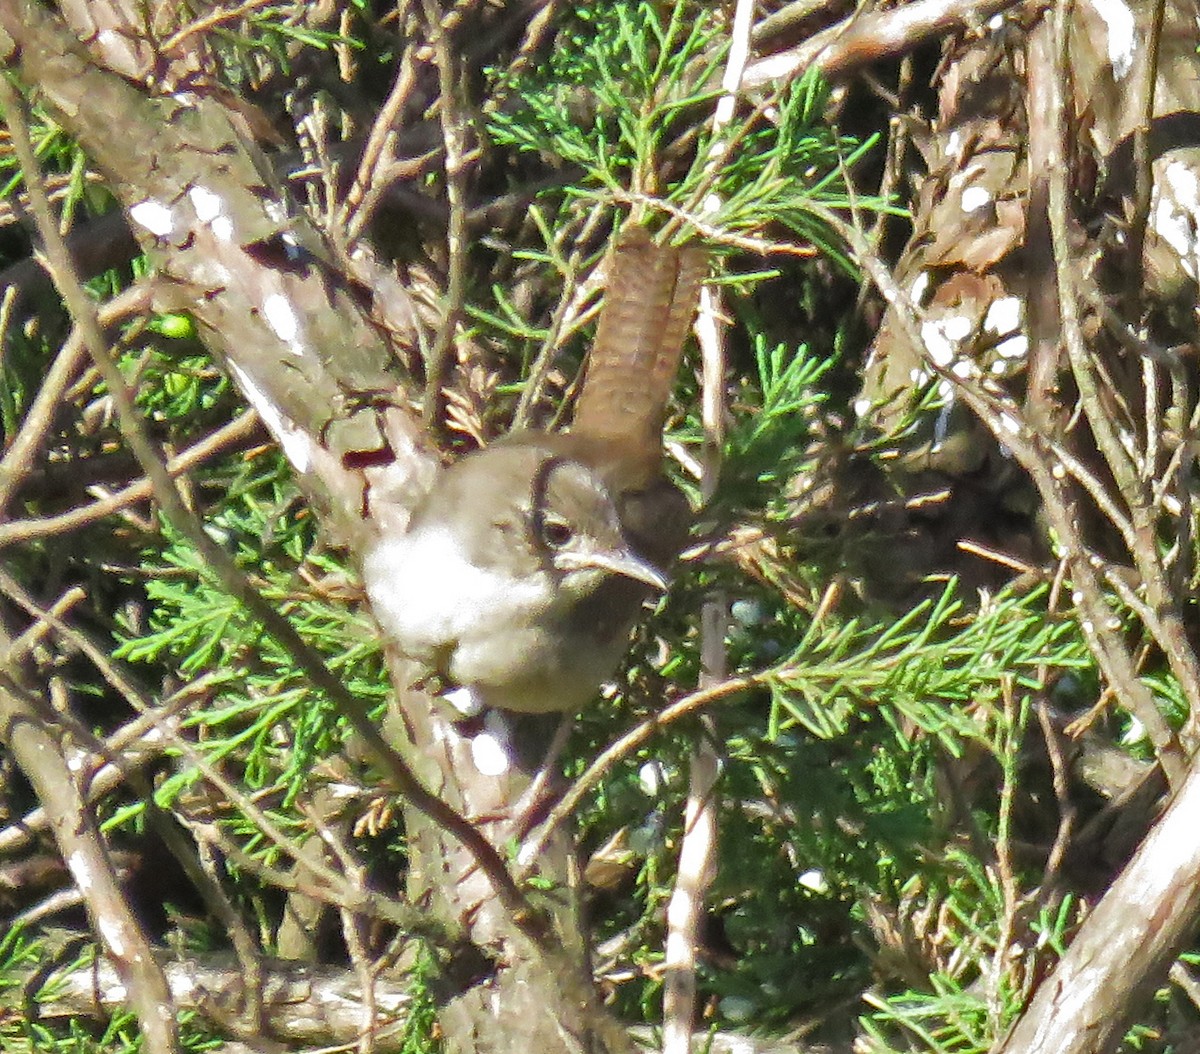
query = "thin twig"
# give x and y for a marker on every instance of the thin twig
(352, 926)
(569, 316)
(31, 731)
(205, 867)
(864, 38)
(238, 430)
(161, 718)
(454, 137)
(631, 741)
(222, 564)
(1172, 634)
(138, 742)
(353, 216)
(37, 743)
(1148, 52)
(339, 895)
(748, 243)
(1062, 797)
(698, 851)
(1034, 451)
(18, 649)
(210, 21)
(39, 419)
(124, 769)
(1014, 728)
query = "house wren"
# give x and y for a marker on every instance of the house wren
(525, 566)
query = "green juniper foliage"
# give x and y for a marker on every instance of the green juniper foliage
(885, 746)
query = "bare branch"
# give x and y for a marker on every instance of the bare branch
(231, 577)
(238, 430)
(19, 456)
(1125, 947)
(38, 744)
(868, 37)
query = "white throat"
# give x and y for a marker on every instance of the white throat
(427, 594)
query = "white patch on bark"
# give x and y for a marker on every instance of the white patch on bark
(77, 760)
(957, 328)
(210, 210)
(80, 871)
(1014, 348)
(281, 317)
(975, 198)
(297, 447)
(110, 933)
(1122, 40)
(919, 287)
(156, 217)
(208, 205)
(942, 337)
(1003, 315)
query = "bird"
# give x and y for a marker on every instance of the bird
(527, 563)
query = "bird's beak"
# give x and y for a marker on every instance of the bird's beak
(618, 562)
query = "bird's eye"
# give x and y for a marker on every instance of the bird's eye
(557, 533)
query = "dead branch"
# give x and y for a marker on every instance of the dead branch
(862, 38)
(39, 745)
